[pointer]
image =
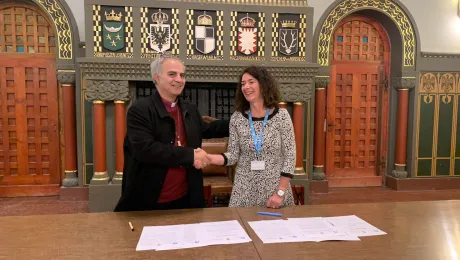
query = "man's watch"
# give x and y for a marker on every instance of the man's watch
(280, 192)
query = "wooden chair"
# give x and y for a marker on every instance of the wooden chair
(208, 195)
(298, 192)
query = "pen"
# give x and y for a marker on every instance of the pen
(131, 225)
(269, 214)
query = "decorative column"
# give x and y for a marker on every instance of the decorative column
(100, 175)
(298, 94)
(67, 80)
(282, 105)
(100, 92)
(120, 132)
(297, 114)
(319, 140)
(403, 85)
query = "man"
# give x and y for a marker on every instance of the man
(161, 147)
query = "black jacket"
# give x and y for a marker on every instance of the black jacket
(149, 151)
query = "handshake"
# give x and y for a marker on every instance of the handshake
(201, 159)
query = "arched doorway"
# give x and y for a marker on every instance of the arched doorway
(29, 136)
(357, 103)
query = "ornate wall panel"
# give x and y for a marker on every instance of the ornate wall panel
(196, 73)
(387, 7)
(438, 140)
(62, 23)
(160, 31)
(247, 36)
(204, 35)
(289, 37)
(113, 31)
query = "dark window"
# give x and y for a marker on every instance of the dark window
(212, 99)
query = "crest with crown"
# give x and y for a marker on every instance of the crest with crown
(247, 21)
(112, 16)
(160, 17)
(288, 24)
(205, 19)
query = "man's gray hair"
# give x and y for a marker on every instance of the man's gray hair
(157, 64)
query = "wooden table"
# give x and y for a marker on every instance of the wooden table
(416, 230)
(108, 236)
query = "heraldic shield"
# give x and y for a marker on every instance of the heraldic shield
(113, 34)
(247, 40)
(160, 37)
(288, 41)
(204, 38)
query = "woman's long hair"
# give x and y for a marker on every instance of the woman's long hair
(268, 86)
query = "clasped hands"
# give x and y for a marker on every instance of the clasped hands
(201, 159)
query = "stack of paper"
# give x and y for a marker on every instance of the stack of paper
(353, 225)
(191, 235)
(347, 228)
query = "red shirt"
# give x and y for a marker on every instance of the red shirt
(175, 185)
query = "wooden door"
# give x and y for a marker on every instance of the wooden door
(29, 139)
(353, 120)
(357, 105)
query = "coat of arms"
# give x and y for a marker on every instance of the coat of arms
(247, 36)
(160, 33)
(113, 32)
(288, 38)
(204, 34)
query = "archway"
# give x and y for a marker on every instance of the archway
(357, 103)
(35, 39)
(394, 19)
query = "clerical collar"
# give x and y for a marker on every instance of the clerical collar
(170, 106)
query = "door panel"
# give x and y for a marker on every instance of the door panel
(29, 139)
(353, 120)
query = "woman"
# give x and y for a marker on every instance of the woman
(261, 143)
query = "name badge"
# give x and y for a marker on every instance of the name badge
(257, 165)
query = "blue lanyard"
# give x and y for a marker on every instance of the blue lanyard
(258, 139)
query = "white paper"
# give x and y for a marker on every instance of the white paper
(276, 231)
(159, 236)
(317, 229)
(222, 232)
(191, 235)
(352, 225)
(187, 238)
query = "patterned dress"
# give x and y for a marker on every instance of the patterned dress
(254, 188)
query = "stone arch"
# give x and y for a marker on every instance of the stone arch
(391, 8)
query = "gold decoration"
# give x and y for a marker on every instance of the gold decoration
(159, 17)
(293, 3)
(428, 83)
(97, 28)
(112, 16)
(204, 19)
(446, 99)
(447, 83)
(428, 99)
(129, 31)
(387, 7)
(275, 34)
(247, 21)
(288, 24)
(61, 21)
(438, 89)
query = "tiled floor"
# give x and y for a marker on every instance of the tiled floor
(52, 205)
